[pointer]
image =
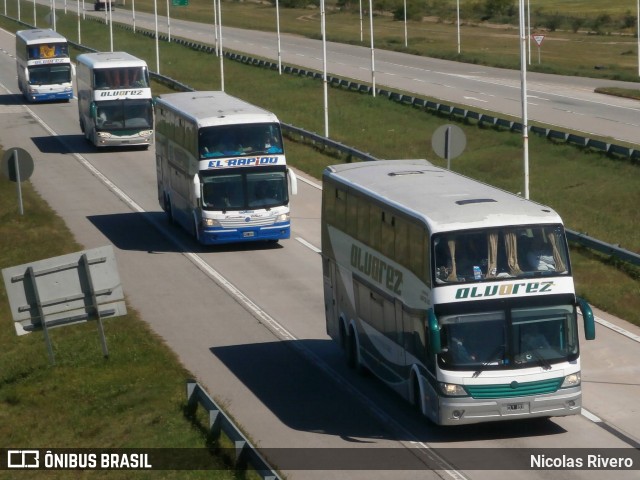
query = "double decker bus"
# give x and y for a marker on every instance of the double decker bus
(114, 99)
(458, 295)
(221, 168)
(44, 68)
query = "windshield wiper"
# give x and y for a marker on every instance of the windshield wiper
(490, 359)
(543, 362)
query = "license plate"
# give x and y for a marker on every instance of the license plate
(248, 234)
(514, 407)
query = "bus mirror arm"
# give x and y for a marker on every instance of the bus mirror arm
(293, 181)
(433, 332)
(587, 316)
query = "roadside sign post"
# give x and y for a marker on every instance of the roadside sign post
(17, 166)
(448, 141)
(539, 38)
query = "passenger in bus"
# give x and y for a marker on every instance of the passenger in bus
(459, 350)
(534, 339)
(540, 255)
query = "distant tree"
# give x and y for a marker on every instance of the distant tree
(577, 23)
(499, 8)
(628, 20)
(414, 10)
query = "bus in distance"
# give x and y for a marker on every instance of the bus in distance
(44, 68)
(114, 99)
(221, 168)
(456, 294)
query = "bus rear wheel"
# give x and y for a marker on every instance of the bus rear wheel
(417, 396)
(353, 359)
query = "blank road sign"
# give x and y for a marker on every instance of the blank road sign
(64, 290)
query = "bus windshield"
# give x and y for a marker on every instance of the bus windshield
(244, 189)
(50, 74)
(242, 139)
(518, 338)
(501, 253)
(116, 78)
(51, 50)
(119, 114)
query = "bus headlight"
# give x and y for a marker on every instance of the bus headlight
(145, 133)
(211, 222)
(572, 380)
(453, 390)
(103, 134)
(283, 217)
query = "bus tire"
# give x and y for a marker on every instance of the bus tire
(353, 359)
(169, 209)
(343, 336)
(196, 230)
(417, 395)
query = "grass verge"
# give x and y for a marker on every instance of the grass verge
(85, 400)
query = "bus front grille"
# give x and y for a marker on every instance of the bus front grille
(514, 389)
(243, 223)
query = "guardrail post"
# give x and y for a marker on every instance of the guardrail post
(192, 399)
(215, 424)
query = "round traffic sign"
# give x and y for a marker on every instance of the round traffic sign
(17, 161)
(448, 141)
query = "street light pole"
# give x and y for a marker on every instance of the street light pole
(373, 68)
(523, 88)
(324, 69)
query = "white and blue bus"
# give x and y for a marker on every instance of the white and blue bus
(45, 71)
(456, 294)
(114, 99)
(221, 168)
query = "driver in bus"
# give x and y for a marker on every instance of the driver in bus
(101, 118)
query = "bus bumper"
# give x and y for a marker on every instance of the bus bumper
(217, 236)
(49, 97)
(111, 140)
(462, 411)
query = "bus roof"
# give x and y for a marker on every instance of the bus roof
(40, 35)
(208, 109)
(110, 60)
(444, 200)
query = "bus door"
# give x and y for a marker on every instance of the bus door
(398, 333)
(330, 304)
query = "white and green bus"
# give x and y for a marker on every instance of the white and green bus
(458, 295)
(44, 68)
(114, 99)
(221, 168)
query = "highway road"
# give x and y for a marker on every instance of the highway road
(563, 103)
(248, 321)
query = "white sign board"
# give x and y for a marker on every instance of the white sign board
(61, 290)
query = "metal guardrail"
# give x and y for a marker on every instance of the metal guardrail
(245, 452)
(351, 153)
